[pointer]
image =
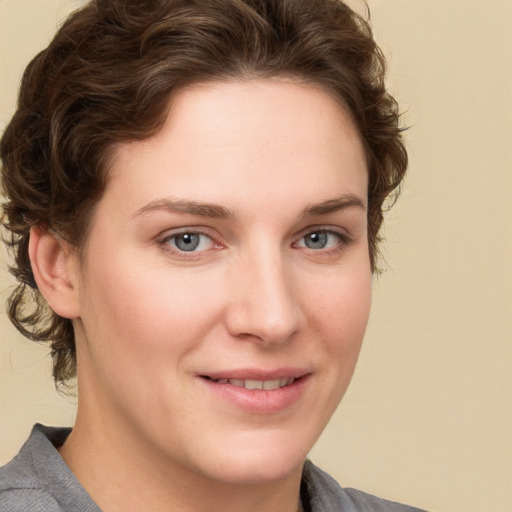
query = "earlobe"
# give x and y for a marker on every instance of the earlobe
(54, 265)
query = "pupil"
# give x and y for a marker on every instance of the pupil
(187, 241)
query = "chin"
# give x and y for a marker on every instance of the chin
(258, 462)
(256, 473)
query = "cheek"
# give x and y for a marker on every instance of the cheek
(342, 304)
(141, 328)
(149, 309)
(341, 312)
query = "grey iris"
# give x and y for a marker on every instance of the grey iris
(317, 240)
(187, 241)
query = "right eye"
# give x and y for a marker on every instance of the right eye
(189, 241)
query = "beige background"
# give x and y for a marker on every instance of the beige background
(428, 419)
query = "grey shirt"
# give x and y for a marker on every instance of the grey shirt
(38, 480)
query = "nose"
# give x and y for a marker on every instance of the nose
(264, 306)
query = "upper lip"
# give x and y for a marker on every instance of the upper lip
(257, 374)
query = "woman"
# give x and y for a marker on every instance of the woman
(194, 192)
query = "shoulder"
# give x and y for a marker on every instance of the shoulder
(326, 495)
(25, 500)
(368, 502)
(38, 479)
(22, 491)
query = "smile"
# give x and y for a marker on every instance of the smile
(267, 385)
(258, 391)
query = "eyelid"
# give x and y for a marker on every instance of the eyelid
(322, 228)
(199, 230)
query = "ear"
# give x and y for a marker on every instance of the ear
(55, 268)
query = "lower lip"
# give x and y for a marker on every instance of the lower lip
(259, 400)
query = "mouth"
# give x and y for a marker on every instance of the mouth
(257, 390)
(267, 385)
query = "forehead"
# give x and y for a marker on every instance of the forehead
(220, 140)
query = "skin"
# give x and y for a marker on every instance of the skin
(151, 320)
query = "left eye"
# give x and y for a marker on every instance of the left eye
(320, 239)
(189, 242)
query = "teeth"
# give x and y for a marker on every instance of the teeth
(272, 384)
(253, 384)
(259, 384)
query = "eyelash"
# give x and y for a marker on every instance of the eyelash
(344, 240)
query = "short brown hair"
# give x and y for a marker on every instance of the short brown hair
(106, 78)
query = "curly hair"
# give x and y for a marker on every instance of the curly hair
(106, 78)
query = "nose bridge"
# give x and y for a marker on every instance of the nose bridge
(265, 306)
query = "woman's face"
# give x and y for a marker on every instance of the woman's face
(226, 284)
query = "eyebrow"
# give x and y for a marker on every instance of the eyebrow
(333, 205)
(190, 207)
(219, 212)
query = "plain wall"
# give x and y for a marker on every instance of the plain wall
(428, 418)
